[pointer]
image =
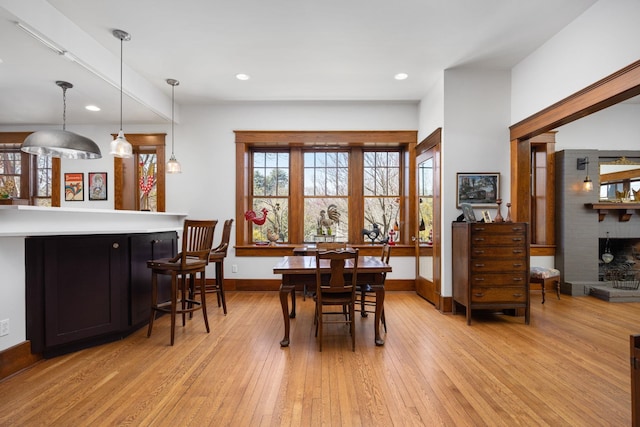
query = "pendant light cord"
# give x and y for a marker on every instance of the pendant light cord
(121, 59)
(64, 108)
(173, 103)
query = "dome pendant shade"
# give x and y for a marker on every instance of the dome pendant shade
(120, 147)
(61, 143)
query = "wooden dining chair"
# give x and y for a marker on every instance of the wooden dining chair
(366, 296)
(197, 240)
(324, 246)
(217, 256)
(336, 289)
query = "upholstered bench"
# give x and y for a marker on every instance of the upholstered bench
(545, 276)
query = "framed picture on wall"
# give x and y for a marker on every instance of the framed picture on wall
(477, 188)
(97, 186)
(73, 187)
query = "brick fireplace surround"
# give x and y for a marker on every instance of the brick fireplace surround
(579, 228)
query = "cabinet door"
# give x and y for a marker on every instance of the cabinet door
(85, 283)
(145, 247)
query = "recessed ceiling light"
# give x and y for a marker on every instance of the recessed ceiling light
(401, 76)
(92, 108)
(243, 76)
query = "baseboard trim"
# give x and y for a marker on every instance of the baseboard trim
(17, 358)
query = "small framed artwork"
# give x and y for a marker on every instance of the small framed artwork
(97, 186)
(486, 216)
(467, 211)
(477, 189)
(73, 187)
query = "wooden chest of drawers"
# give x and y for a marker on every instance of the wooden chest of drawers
(490, 266)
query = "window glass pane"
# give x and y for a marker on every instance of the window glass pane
(43, 176)
(381, 190)
(384, 213)
(10, 170)
(272, 226)
(147, 171)
(326, 219)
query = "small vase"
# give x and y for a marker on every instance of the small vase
(144, 203)
(498, 217)
(508, 219)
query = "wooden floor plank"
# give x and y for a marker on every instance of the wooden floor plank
(570, 366)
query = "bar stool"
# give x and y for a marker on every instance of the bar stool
(217, 256)
(197, 240)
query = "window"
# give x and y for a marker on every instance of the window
(24, 176)
(304, 187)
(270, 191)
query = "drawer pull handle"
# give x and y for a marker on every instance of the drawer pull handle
(517, 264)
(479, 228)
(517, 279)
(116, 245)
(479, 279)
(517, 295)
(478, 294)
(516, 228)
(517, 251)
(479, 239)
(517, 239)
(479, 252)
(479, 265)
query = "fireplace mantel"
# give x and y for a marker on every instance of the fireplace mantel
(624, 210)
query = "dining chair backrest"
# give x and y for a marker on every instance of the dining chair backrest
(339, 279)
(197, 239)
(331, 245)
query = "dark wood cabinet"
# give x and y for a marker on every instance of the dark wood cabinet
(90, 289)
(491, 266)
(143, 248)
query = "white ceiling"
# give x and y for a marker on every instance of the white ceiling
(293, 50)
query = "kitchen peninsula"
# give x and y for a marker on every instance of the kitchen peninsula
(40, 245)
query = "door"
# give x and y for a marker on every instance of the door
(427, 241)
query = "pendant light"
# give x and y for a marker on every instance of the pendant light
(61, 143)
(120, 147)
(173, 166)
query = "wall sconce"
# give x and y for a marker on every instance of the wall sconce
(583, 163)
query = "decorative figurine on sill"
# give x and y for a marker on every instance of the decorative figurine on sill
(372, 234)
(257, 220)
(327, 219)
(391, 234)
(272, 237)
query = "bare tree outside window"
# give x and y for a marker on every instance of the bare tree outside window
(270, 191)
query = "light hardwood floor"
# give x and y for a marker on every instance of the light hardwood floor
(570, 367)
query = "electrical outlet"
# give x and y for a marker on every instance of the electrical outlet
(234, 268)
(4, 327)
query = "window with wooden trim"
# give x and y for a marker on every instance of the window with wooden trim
(23, 176)
(303, 187)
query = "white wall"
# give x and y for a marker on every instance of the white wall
(599, 42)
(431, 116)
(615, 128)
(476, 139)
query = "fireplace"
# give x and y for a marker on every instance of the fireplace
(619, 261)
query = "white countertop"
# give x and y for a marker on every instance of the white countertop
(22, 220)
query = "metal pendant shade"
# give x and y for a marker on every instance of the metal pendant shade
(173, 166)
(61, 143)
(120, 147)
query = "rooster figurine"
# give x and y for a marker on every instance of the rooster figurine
(253, 217)
(373, 233)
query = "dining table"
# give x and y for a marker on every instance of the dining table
(298, 271)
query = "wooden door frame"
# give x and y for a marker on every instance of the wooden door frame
(432, 142)
(615, 88)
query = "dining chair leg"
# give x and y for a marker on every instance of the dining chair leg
(353, 326)
(220, 286)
